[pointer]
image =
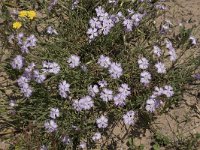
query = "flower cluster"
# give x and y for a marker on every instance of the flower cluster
(123, 93)
(39, 78)
(132, 20)
(51, 125)
(93, 90)
(171, 50)
(104, 22)
(115, 69)
(26, 44)
(28, 14)
(101, 24)
(152, 103)
(106, 95)
(63, 89)
(25, 88)
(17, 62)
(50, 67)
(85, 103)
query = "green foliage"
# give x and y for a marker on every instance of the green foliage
(30, 114)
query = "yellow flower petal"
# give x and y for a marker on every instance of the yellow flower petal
(23, 13)
(17, 25)
(31, 14)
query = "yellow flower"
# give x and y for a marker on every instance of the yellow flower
(17, 25)
(31, 14)
(23, 13)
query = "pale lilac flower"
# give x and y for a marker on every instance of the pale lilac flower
(99, 11)
(43, 147)
(92, 33)
(29, 42)
(17, 62)
(120, 99)
(124, 90)
(102, 122)
(172, 54)
(197, 76)
(129, 118)
(74, 61)
(164, 28)
(104, 61)
(82, 145)
(93, 90)
(12, 103)
(102, 83)
(24, 86)
(95, 23)
(51, 126)
(120, 15)
(39, 78)
(51, 30)
(145, 77)
(11, 38)
(171, 51)
(160, 7)
(193, 40)
(76, 105)
(54, 113)
(86, 103)
(168, 44)
(115, 70)
(66, 140)
(28, 71)
(157, 51)
(113, 1)
(128, 23)
(96, 136)
(107, 24)
(137, 18)
(75, 4)
(168, 91)
(157, 92)
(106, 95)
(63, 89)
(104, 16)
(114, 18)
(130, 11)
(22, 80)
(49, 67)
(152, 104)
(26, 90)
(19, 38)
(160, 67)
(143, 63)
